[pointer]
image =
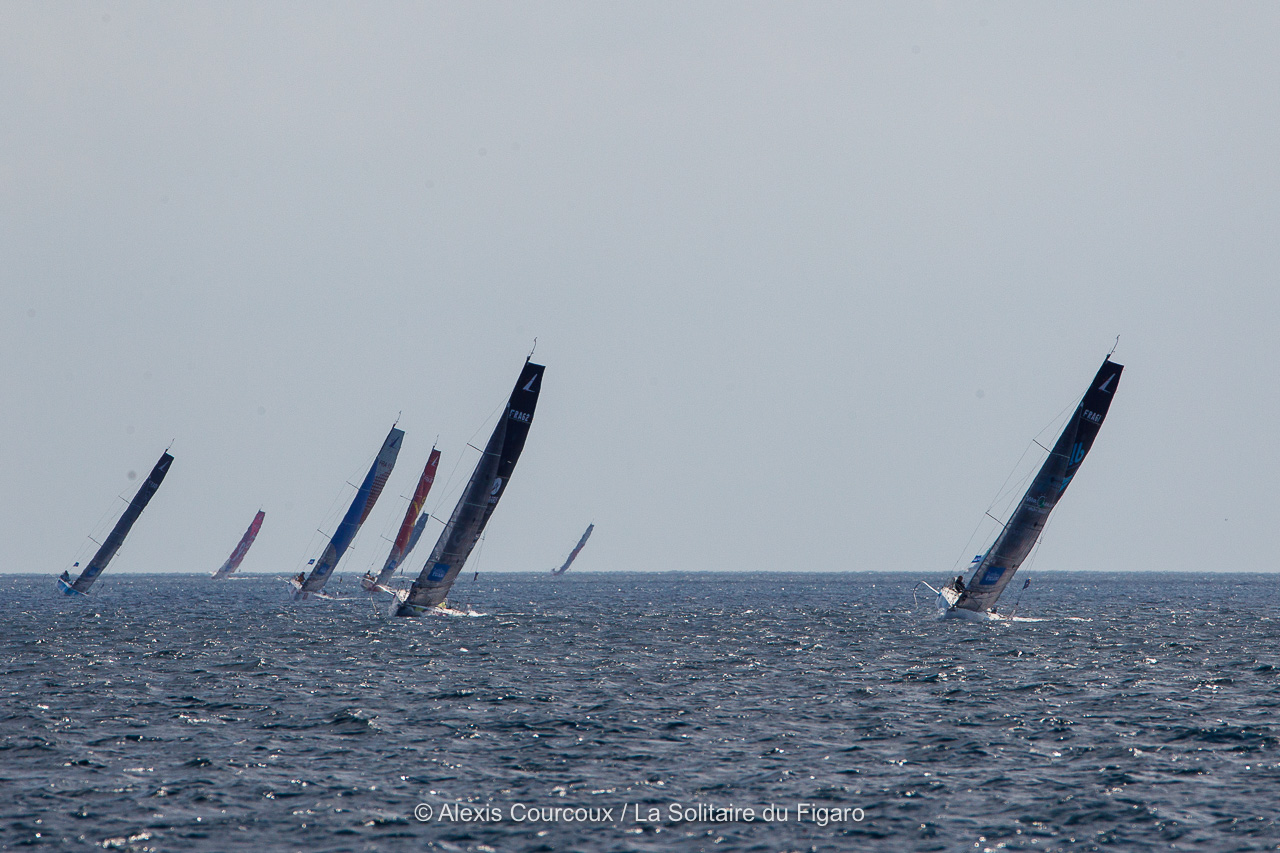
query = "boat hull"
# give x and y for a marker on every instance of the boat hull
(301, 596)
(66, 589)
(401, 607)
(946, 604)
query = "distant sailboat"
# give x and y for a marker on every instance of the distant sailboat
(114, 540)
(307, 587)
(233, 562)
(410, 529)
(478, 501)
(573, 555)
(991, 572)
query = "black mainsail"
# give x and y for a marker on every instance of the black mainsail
(480, 498)
(992, 573)
(116, 538)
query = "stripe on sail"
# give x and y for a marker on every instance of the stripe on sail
(480, 498)
(116, 538)
(405, 539)
(992, 573)
(364, 500)
(237, 555)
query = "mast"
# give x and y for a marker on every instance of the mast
(237, 555)
(366, 497)
(573, 555)
(480, 497)
(992, 573)
(405, 539)
(116, 538)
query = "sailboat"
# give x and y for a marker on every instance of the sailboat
(573, 555)
(307, 587)
(992, 571)
(116, 538)
(410, 529)
(484, 490)
(242, 548)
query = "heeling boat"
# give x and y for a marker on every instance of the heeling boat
(304, 588)
(242, 548)
(991, 572)
(410, 529)
(116, 538)
(573, 555)
(479, 499)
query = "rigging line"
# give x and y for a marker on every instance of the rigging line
(1113, 348)
(1056, 424)
(1059, 421)
(1002, 492)
(446, 491)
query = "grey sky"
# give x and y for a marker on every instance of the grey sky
(807, 278)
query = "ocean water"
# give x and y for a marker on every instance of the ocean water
(170, 712)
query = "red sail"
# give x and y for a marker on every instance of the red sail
(400, 549)
(233, 562)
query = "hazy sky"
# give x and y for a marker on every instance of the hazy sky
(807, 277)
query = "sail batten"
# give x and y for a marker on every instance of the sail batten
(366, 497)
(242, 548)
(992, 573)
(115, 539)
(479, 499)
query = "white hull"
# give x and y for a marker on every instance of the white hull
(442, 609)
(946, 601)
(368, 585)
(297, 595)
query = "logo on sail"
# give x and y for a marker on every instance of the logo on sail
(991, 575)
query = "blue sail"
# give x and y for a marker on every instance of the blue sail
(364, 500)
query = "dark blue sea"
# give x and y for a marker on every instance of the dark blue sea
(642, 712)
